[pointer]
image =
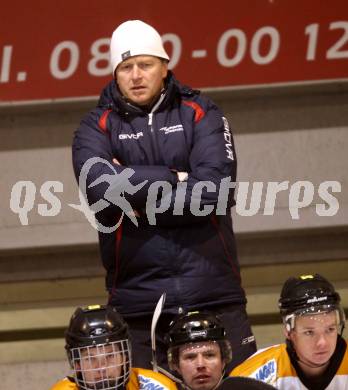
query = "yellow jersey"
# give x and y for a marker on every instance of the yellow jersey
(140, 379)
(273, 365)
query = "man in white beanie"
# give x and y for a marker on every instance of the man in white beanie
(171, 142)
(131, 40)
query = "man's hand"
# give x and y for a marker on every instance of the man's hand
(182, 176)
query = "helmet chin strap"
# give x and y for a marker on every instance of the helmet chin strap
(220, 380)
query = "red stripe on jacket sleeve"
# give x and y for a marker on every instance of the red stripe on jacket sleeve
(199, 112)
(103, 121)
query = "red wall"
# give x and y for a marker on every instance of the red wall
(45, 46)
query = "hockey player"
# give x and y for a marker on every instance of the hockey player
(198, 350)
(315, 355)
(99, 352)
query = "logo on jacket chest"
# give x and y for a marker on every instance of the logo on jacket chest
(131, 136)
(171, 129)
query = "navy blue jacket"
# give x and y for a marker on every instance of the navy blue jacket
(191, 258)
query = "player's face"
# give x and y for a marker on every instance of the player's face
(200, 365)
(100, 365)
(314, 337)
(140, 78)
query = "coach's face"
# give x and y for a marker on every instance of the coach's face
(141, 78)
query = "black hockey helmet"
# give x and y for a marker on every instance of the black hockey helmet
(196, 327)
(309, 294)
(98, 348)
(95, 325)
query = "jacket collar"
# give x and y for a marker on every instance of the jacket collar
(111, 98)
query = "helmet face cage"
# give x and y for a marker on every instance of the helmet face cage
(102, 366)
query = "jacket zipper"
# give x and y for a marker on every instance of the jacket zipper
(154, 143)
(150, 121)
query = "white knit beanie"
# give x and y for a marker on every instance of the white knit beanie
(133, 38)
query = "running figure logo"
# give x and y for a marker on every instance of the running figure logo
(119, 184)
